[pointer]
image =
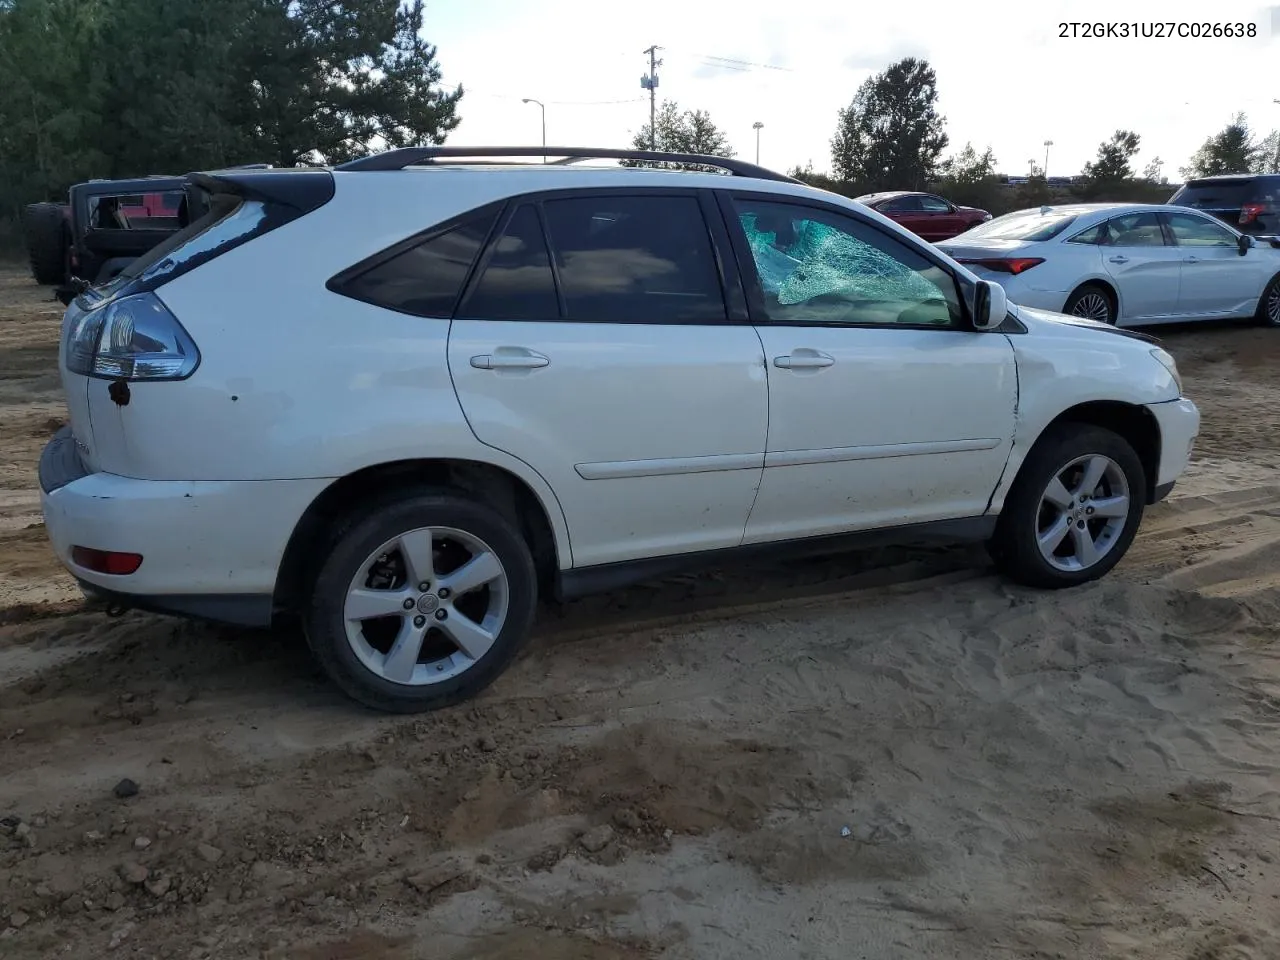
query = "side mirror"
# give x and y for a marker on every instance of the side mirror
(990, 305)
(1243, 243)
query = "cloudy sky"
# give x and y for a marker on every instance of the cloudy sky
(1005, 77)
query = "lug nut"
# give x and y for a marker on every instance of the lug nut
(408, 604)
(442, 614)
(419, 620)
(443, 593)
(424, 586)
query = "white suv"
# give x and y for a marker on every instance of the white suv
(401, 399)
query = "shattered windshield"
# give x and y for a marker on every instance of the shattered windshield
(811, 268)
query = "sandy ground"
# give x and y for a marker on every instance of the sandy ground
(670, 771)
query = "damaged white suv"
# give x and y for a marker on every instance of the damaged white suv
(401, 399)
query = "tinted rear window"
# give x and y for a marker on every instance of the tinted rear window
(517, 283)
(1023, 226)
(426, 279)
(635, 259)
(1215, 194)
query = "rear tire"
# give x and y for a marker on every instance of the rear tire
(48, 242)
(1074, 508)
(1092, 301)
(395, 619)
(1269, 305)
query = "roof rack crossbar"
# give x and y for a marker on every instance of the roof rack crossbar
(413, 156)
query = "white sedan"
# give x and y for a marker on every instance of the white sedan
(1125, 264)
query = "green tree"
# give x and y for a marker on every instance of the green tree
(891, 134)
(1268, 158)
(1112, 165)
(1034, 193)
(111, 88)
(969, 177)
(968, 166)
(1230, 150)
(47, 118)
(325, 82)
(1153, 170)
(167, 98)
(676, 131)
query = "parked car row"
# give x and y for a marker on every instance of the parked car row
(1126, 264)
(472, 386)
(1210, 253)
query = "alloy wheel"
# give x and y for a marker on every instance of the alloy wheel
(1092, 306)
(426, 606)
(1083, 512)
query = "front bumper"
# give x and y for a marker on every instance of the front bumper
(1179, 422)
(210, 549)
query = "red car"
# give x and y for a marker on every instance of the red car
(927, 216)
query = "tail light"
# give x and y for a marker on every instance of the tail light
(1250, 212)
(133, 338)
(1014, 265)
(106, 561)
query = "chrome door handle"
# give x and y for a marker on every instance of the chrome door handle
(526, 360)
(1119, 259)
(804, 360)
(1191, 260)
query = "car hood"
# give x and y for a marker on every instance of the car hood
(963, 209)
(1050, 322)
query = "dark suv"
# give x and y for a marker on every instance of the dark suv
(1250, 202)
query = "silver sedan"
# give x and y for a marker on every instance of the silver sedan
(1126, 264)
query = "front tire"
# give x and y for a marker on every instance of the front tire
(1092, 302)
(422, 602)
(1269, 305)
(1074, 508)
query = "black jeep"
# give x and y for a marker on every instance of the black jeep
(105, 225)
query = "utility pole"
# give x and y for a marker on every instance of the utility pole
(650, 83)
(756, 126)
(1047, 145)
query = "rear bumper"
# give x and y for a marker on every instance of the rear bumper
(1022, 290)
(210, 549)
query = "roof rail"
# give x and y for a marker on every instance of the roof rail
(412, 156)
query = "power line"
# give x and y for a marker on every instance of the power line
(732, 63)
(559, 103)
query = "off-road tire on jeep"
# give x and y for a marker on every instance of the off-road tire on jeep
(48, 241)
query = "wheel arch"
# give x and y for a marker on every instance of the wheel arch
(1134, 422)
(1108, 287)
(496, 486)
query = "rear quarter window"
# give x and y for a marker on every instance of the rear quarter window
(424, 278)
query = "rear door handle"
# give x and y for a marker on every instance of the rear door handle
(1191, 260)
(517, 359)
(1119, 259)
(804, 359)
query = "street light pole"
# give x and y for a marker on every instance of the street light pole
(756, 126)
(542, 108)
(1047, 145)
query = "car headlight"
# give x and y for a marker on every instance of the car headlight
(1170, 364)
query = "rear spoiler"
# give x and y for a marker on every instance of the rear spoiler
(297, 190)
